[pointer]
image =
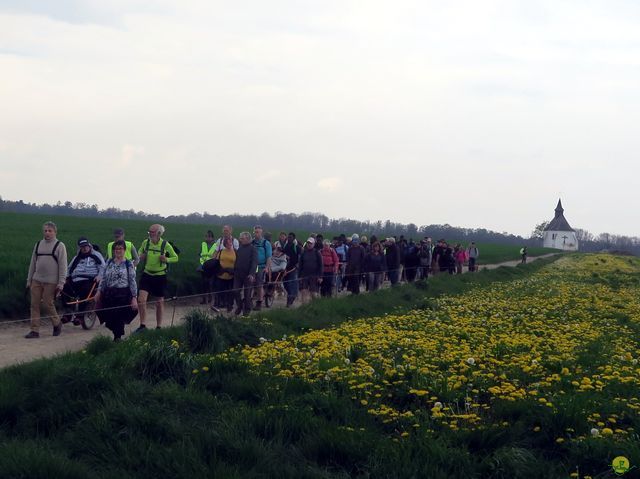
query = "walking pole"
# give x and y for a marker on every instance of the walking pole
(173, 314)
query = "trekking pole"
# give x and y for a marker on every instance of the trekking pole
(173, 314)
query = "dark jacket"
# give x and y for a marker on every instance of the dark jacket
(411, 259)
(355, 259)
(310, 263)
(393, 257)
(293, 253)
(375, 263)
(246, 261)
(446, 259)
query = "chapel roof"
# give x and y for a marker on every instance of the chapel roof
(559, 222)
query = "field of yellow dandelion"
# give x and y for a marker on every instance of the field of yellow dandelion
(554, 356)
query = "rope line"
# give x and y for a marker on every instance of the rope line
(199, 295)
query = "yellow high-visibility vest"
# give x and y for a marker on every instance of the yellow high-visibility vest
(206, 252)
(127, 251)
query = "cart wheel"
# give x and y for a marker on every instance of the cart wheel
(268, 300)
(88, 320)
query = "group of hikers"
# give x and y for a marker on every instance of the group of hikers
(234, 271)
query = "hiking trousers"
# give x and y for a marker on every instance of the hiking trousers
(43, 294)
(243, 287)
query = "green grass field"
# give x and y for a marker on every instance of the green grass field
(20, 233)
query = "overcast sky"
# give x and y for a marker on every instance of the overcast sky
(472, 113)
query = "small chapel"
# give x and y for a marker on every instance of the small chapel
(558, 234)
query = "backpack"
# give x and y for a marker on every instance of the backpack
(163, 246)
(52, 254)
(262, 245)
(175, 248)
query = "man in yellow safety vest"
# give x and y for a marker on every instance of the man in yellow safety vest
(130, 251)
(208, 249)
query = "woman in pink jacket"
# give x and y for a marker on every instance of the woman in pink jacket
(460, 255)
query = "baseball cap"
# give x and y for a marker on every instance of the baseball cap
(83, 241)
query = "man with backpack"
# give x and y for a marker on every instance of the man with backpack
(263, 247)
(156, 255)
(46, 277)
(473, 253)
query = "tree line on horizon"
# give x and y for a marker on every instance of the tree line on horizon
(320, 223)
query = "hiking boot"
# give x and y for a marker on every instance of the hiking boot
(158, 327)
(246, 314)
(238, 311)
(117, 339)
(258, 306)
(76, 321)
(141, 328)
(57, 330)
(32, 334)
(66, 318)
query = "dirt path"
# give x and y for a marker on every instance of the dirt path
(15, 349)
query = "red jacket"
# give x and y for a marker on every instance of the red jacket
(330, 260)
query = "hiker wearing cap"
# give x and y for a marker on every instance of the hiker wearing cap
(46, 277)
(130, 253)
(392, 255)
(156, 255)
(83, 273)
(309, 270)
(355, 264)
(263, 247)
